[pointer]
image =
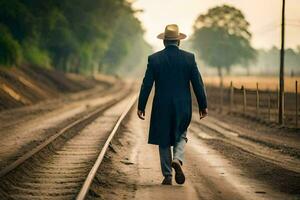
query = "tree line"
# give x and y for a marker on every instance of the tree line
(223, 40)
(73, 36)
(268, 60)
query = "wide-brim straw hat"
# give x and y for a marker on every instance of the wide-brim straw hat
(171, 33)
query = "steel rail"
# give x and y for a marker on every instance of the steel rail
(88, 181)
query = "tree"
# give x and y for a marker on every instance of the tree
(72, 36)
(16, 16)
(125, 35)
(222, 38)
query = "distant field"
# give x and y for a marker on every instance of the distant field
(249, 82)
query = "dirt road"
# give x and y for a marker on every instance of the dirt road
(131, 170)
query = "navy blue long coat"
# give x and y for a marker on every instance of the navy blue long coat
(172, 70)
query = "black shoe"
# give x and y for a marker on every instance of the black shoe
(179, 175)
(167, 180)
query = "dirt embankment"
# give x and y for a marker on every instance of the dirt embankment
(29, 85)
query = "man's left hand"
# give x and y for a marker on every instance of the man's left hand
(203, 113)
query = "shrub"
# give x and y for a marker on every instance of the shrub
(10, 50)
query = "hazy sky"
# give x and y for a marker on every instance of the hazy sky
(264, 17)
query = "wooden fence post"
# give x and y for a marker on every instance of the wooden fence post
(231, 97)
(296, 88)
(283, 107)
(244, 100)
(221, 97)
(257, 101)
(269, 105)
(277, 91)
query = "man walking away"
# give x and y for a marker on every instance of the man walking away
(172, 70)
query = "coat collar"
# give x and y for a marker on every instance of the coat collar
(171, 46)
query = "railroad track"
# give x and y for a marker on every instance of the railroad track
(66, 163)
(43, 125)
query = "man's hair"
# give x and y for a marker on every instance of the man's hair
(171, 42)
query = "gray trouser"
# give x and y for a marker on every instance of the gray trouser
(166, 155)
